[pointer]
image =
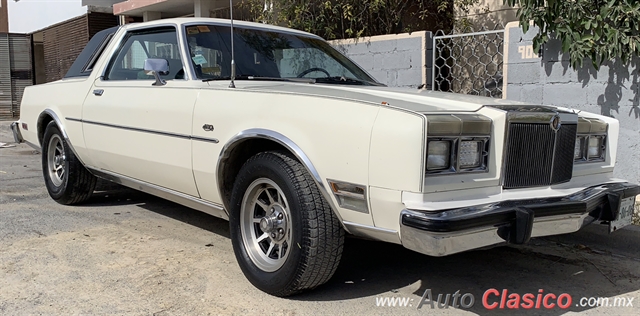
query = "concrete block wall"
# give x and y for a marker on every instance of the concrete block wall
(395, 60)
(547, 78)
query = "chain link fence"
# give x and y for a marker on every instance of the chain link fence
(469, 63)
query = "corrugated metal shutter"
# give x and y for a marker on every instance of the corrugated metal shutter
(21, 68)
(5, 78)
(62, 44)
(20, 48)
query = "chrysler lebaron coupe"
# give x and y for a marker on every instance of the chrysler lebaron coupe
(297, 146)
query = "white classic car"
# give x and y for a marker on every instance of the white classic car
(297, 147)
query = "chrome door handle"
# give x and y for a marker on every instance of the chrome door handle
(98, 92)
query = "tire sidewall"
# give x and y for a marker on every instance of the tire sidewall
(56, 192)
(270, 282)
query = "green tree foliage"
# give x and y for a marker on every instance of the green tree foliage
(600, 30)
(338, 19)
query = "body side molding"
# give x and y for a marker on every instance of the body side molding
(143, 130)
(289, 145)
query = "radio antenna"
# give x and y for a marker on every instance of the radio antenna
(233, 53)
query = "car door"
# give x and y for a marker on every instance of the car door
(139, 130)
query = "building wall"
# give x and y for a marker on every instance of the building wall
(101, 21)
(4, 17)
(44, 56)
(39, 68)
(395, 60)
(63, 42)
(613, 90)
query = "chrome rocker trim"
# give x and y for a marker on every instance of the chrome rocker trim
(171, 195)
(373, 233)
(512, 221)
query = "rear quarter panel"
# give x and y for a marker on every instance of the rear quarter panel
(65, 99)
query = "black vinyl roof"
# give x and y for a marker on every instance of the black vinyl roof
(83, 65)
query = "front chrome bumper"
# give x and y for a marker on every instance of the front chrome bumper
(17, 135)
(513, 221)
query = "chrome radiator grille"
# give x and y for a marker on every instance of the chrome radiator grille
(536, 155)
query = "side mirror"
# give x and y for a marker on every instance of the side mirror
(157, 67)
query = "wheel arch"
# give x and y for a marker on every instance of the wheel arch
(44, 119)
(249, 142)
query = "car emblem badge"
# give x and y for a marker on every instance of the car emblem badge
(555, 123)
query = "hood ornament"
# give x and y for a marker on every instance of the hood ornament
(555, 123)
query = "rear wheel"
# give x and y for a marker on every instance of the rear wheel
(285, 236)
(66, 179)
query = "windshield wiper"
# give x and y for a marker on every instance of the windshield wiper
(259, 78)
(347, 80)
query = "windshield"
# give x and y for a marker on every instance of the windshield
(264, 54)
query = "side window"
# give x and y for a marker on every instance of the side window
(209, 55)
(128, 62)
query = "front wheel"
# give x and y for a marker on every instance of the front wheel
(67, 180)
(285, 236)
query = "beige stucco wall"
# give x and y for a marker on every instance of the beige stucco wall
(488, 13)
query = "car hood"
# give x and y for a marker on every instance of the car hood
(416, 100)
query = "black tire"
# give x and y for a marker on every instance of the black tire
(76, 183)
(317, 236)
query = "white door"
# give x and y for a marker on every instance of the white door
(138, 130)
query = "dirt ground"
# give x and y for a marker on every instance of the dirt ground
(129, 253)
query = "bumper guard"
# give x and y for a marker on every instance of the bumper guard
(17, 135)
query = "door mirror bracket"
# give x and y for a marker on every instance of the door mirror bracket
(157, 67)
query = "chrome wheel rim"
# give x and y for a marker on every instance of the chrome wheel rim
(56, 160)
(265, 225)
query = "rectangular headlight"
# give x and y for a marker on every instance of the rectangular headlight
(595, 147)
(470, 154)
(438, 155)
(589, 148)
(591, 144)
(457, 144)
(578, 151)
